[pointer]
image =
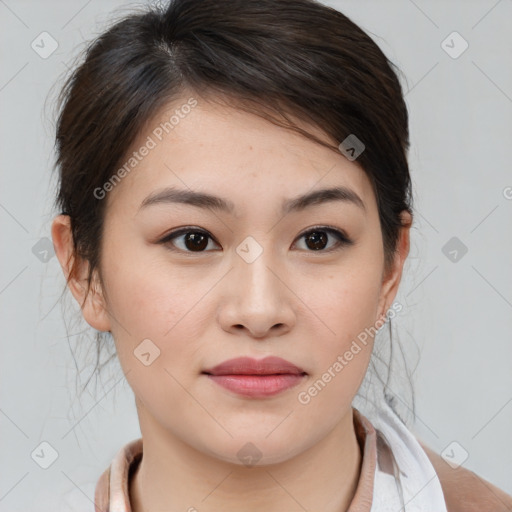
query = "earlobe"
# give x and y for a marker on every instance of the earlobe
(392, 280)
(92, 302)
(95, 308)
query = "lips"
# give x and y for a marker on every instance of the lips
(248, 366)
(256, 379)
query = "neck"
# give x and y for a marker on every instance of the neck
(174, 476)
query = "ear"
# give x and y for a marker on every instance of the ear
(92, 304)
(391, 281)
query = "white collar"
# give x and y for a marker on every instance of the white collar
(415, 475)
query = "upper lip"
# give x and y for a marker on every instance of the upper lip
(270, 365)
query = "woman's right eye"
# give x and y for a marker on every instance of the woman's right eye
(192, 240)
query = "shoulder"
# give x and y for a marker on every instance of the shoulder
(465, 491)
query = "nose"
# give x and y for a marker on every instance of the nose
(257, 298)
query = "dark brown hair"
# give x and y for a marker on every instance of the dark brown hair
(276, 58)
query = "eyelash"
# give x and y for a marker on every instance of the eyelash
(342, 239)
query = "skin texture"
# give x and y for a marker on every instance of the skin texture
(202, 308)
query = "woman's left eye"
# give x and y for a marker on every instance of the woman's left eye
(197, 240)
(317, 238)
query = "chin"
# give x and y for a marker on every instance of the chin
(255, 449)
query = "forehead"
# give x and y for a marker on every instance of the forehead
(234, 154)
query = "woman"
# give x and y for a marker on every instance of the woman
(235, 209)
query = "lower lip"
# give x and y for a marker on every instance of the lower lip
(257, 386)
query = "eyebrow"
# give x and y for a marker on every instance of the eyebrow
(212, 202)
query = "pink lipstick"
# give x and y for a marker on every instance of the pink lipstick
(256, 378)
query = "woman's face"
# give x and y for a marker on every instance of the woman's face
(252, 282)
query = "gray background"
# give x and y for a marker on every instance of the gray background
(457, 316)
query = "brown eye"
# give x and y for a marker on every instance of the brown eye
(192, 240)
(316, 239)
(195, 241)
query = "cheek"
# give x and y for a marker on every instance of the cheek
(157, 328)
(149, 302)
(347, 312)
(347, 303)
(347, 307)
(346, 296)
(149, 296)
